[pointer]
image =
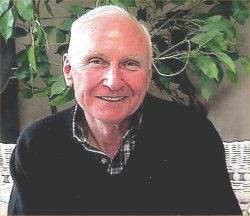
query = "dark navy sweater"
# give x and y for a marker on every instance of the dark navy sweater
(177, 167)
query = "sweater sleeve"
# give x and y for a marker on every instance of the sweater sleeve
(214, 182)
(28, 195)
(19, 169)
(30, 160)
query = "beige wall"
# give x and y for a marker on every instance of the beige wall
(229, 108)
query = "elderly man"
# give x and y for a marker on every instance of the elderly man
(118, 151)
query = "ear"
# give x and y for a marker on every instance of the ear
(67, 72)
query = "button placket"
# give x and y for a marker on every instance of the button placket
(104, 161)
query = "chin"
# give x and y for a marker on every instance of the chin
(112, 118)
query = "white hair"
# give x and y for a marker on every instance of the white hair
(109, 10)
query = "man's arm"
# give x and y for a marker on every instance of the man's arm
(16, 205)
(18, 169)
(214, 170)
(26, 191)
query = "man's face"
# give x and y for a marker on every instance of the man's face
(109, 68)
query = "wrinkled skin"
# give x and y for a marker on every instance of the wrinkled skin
(109, 69)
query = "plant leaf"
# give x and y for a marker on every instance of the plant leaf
(165, 81)
(50, 79)
(218, 42)
(60, 36)
(124, 3)
(48, 8)
(48, 30)
(25, 9)
(26, 93)
(207, 66)
(206, 86)
(204, 37)
(32, 59)
(245, 62)
(233, 77)
(240, 10)
(21, 56)
(62, 49)
(22, 73)
(19, 32)
(159, 4)
(105, 2)
(6, 24)
(226, 60)
(223, 9)
(233, 55)
(77, 10)
(42, 91)
(58, 87)
(41, 55)
(4, 5)
(163, 68)
(39, 35)
(178, 2)
(43, 67)
(219, 23)
(66, 96)
(15, 13)
(66, 24)
(220, 73)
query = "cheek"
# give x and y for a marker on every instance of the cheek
(82, 82)
(138, 82)
(84, 86)
(81, 86)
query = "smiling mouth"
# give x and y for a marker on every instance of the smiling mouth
(112, 99)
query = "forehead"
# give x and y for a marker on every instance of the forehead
(112, 32)
(111, 21)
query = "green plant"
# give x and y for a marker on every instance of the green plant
(201, 44)
(185, 43)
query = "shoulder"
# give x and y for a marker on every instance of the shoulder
(50, 124)
(161, 110)
(49, 129)
(175, 123)
(39, 146)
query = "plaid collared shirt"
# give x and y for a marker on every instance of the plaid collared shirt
(112, 165)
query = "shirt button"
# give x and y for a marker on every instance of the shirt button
(104, 160)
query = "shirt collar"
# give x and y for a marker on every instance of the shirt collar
(80, 124)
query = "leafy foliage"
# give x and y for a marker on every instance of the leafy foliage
(204, 44)
(25, 9)
(184, 42)
(6, 24)
(34, 66)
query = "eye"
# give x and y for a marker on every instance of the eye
(131, 65)
(97, 63)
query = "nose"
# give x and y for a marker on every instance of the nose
(113, 78)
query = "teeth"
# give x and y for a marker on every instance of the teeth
(112, 99)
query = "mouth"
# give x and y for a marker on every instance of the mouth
(112, 99)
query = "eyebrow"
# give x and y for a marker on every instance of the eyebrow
(134, 57)
(92, 55)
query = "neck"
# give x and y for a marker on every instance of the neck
(106, 136)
